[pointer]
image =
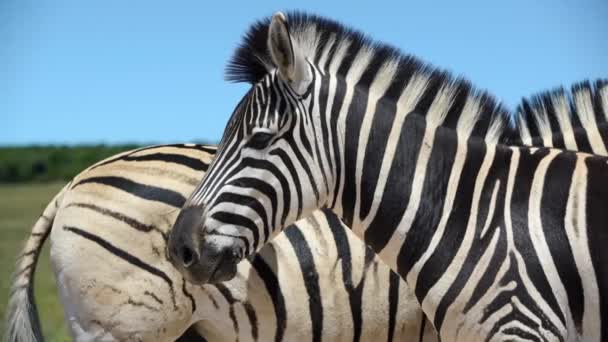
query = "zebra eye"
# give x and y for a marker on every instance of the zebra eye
(260, 140)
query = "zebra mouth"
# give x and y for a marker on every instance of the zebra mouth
(224, 270)
(214, 272)
(213, 266)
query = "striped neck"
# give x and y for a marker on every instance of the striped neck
(403, 181)
(398, 164)
(379, 116)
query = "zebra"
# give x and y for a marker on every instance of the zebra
(121, 180)
(498, 242)
(120, 183)
(108, 229)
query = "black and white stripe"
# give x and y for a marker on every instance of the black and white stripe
(498, 242)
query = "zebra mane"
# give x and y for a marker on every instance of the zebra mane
(551, 114)
(460, 106)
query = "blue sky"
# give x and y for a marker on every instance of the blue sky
(152, 72)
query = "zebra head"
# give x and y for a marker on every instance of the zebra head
(268, 170)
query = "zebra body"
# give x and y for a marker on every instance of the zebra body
(498, 242)
(108, 231)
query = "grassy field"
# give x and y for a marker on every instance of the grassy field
(20, 206)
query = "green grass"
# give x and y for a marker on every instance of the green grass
(20, 207)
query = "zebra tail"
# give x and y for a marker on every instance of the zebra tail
(22, 321)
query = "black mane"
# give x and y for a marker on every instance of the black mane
(251, 62)
(540, 110)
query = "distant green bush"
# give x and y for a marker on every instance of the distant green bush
(51, 163)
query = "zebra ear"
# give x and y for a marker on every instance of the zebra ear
(281, 47)
(285, 54)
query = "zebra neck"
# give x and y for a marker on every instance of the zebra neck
(396, 154)
(396, 192)
(369, 123)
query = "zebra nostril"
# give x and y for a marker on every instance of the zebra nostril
(188, 256)
(236, 254)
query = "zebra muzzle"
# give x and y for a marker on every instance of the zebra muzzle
(201, 259)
